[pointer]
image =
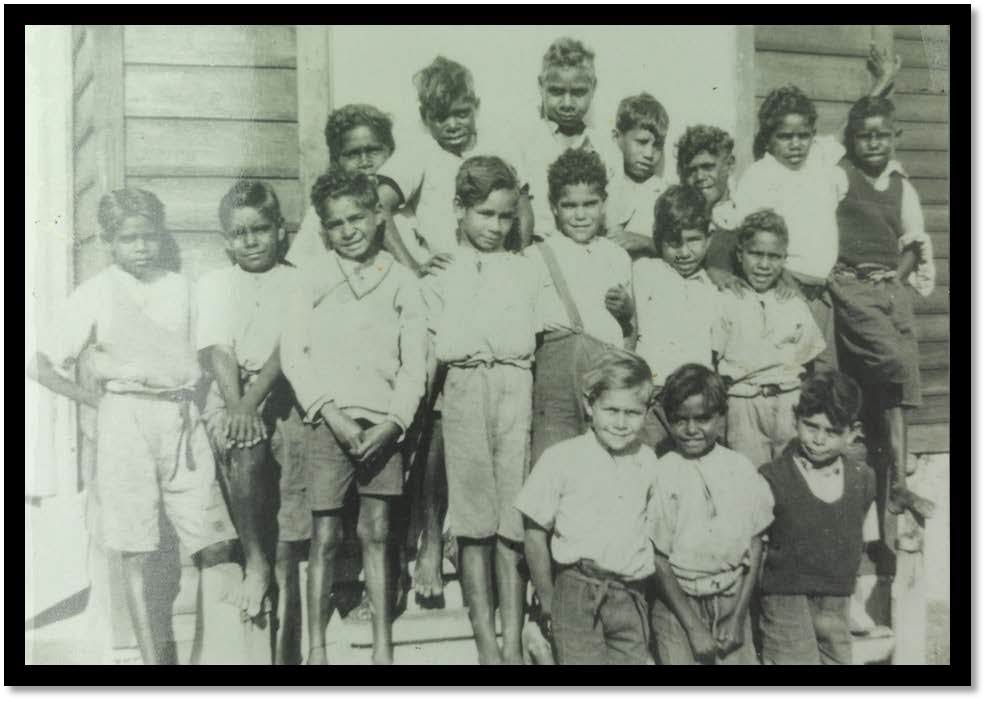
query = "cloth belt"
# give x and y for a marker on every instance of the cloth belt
(863, 271)
(184, 398)
(604, 581)
(767, 390)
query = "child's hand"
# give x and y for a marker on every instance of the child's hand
(731, 637)
(438, 262)
(376, 439)
(619, 304)
(883, 65)
(787, 287)
(344, 428)
(725, 280)
(245, 428)
(703, 645)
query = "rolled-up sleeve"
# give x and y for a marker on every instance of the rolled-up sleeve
(541, 494)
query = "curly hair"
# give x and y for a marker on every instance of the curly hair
(764, 220)
(693, 379)
(698, 139)
(679, 208)
(440, 84)
(250, 193)
(478, 176)
(617, 369)
(336, 183)
(566, 52)
(118, 205)
(868, 106)
(575, 167)
(787, 100)
(350, 117)
(832, 393)
(643, 112)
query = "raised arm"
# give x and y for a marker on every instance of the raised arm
(390, 201)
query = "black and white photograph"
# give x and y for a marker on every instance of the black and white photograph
(488, 345)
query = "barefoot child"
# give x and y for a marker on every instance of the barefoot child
(360, 139)
(586, 537)
(588, 308)
(675, 299)
(152, 451)
(883, 245)
(815, 542)
(483, 311)
(711, 509)
(250, 409)
(763, 343)
(642, 124)
(356, 358)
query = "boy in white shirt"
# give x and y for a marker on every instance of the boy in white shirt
(588, 308)
(642, 124)
(356, 359)
(763, 343)
(676, 302)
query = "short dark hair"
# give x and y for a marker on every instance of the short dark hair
(786, 100)
(833, 394)
(250, 193)
(643, 111)
(352, 116)
(440, 84)
(336, 183)
(118, 205)
(764, 220)
(478, 176)
(679, 208)
(575, 167)
(868, 106)
(693, 379)
(616, 369)
(566, 52)
(699, 138)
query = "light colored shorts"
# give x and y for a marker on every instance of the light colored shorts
(761, 427)
(486, 428)
(154, 453)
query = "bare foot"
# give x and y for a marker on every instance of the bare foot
(317, 656)
(428, 574)
(902, 498)
(253, 598)
(383, 657)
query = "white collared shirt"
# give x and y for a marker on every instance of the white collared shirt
(675, 317)
(590, 270)
(246, 311)
(361, 343)
(594, 504)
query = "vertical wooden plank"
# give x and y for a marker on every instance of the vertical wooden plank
(314, 63)
(746, 78)
(109, 98)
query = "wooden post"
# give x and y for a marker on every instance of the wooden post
(746, 80)
(314, 76)
(909, 606)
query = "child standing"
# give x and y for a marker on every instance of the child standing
(763, 343)
(360, 139)
(816, 540)
(356, 358)
(588, 499)
(589, 308)
(882, 245)
(642, 124)
(676, 301)
(711, 509)
(152, 451)
(484, 316)
(567, 83)
(250, 409)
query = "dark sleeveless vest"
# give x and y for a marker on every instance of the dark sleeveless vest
(869, 220)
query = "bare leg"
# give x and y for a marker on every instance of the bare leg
(327, 535)
(901, 497)
(287, 644)
(477, 582)
(510, 589)
(134, 568)
(428, 565)
(247, 507)
(372, 530)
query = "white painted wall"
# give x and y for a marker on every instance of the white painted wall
(690, 69)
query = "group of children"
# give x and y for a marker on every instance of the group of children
(664, 356)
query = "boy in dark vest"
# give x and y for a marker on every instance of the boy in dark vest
(815, 543)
